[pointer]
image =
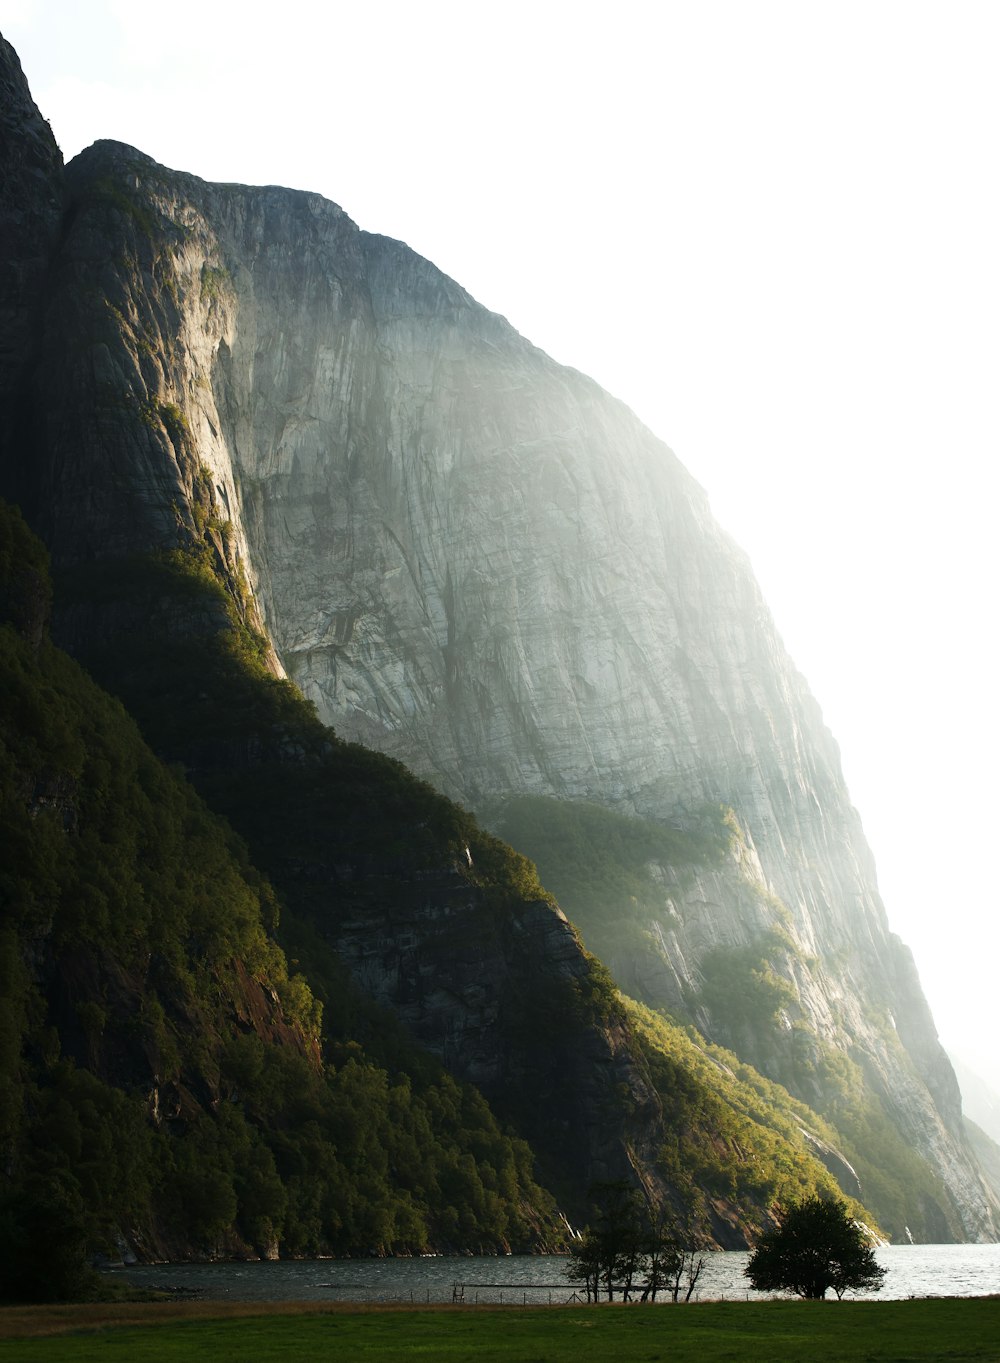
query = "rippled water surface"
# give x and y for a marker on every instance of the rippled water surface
(914, 1271)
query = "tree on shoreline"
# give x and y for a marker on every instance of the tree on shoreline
(626, 1251)
(817, 1246)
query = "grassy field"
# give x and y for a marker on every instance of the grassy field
(755, 1332)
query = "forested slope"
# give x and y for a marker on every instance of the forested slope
(173, 1088)
(162, 1078)
(335, 1013)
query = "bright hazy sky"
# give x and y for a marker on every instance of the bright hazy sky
(772, 228)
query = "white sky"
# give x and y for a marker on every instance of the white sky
(772, 228)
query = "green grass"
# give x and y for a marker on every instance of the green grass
(765, 1332)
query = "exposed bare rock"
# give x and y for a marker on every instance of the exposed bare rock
(474, 560)
(30, 213)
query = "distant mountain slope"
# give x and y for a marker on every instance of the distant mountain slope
(980, 1101)
(257, 441)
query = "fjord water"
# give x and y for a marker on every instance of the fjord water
(913, 1271)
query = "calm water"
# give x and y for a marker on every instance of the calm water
(914, 1271)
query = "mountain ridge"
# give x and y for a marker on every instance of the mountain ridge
(241, 384)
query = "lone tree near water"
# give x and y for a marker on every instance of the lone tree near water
(818, 1245)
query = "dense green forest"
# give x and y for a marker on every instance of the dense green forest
(350, 839)
(161, 1073)
(172, 1083)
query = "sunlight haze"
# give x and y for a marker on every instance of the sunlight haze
(771, 229)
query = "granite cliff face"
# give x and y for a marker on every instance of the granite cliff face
(476, 561)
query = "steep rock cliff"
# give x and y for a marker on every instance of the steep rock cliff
(30, 212)
(466, 961)
(473, 559)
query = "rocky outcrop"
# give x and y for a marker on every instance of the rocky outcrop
(472, 559)
(30, 213)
